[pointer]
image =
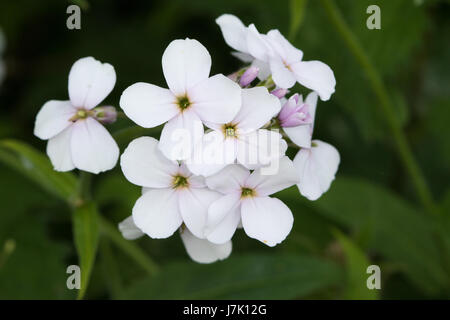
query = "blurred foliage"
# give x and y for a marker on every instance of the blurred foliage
(371, 203)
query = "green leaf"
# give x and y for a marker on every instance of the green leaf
(393, 229)
(357, 263)
(297, 10)
(86, 233)
(36, 166)
(33, 261)
(255, 276)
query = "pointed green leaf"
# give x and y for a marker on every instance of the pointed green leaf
(36, 166)
(357, 263)
(255, 276)
(85, 222)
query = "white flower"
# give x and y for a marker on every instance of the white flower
(172, 194)
(241, 139)
(250, 45)
(246, 196)
(316, 162)
(192, 98)
(199, 250)
(75, 138)
(273, 52)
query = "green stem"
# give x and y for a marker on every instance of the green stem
(128, 247)
(110, 270)
(379, 89)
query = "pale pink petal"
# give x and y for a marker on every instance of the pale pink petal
(301, 135)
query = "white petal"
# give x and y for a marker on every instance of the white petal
(53, 118)
(129, 230)
(156, 213)
(265, 185)
(300, 135)
(281, 75)
(193, 205)
(59, 152)
(212, 154)
(148, 105)
(220, 208)
(180, 134)
(217, 99)
(283, 47)
(234, 32)
(258, 108)
(264, 69)
(317, 76)
(90, 81)
(224, 215)
(203, 251)
(244, 57)
(185, 63)
(257, 44)
(93, 148)
(259, 148)
(317, 168)
(228, 180)
(311, 101)
(144, 165)
(266, 219)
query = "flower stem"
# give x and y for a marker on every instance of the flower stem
(380, 91)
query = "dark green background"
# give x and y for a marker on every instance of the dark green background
(371, 215)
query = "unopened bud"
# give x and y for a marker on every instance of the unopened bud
(106, 114)
(249, 75)
(279, 93)
(294, 113)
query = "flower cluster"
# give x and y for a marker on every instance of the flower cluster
(222, 151)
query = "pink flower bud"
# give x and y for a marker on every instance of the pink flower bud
(279, 93)
(249, 75)
(294, 113)
(105, 114)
